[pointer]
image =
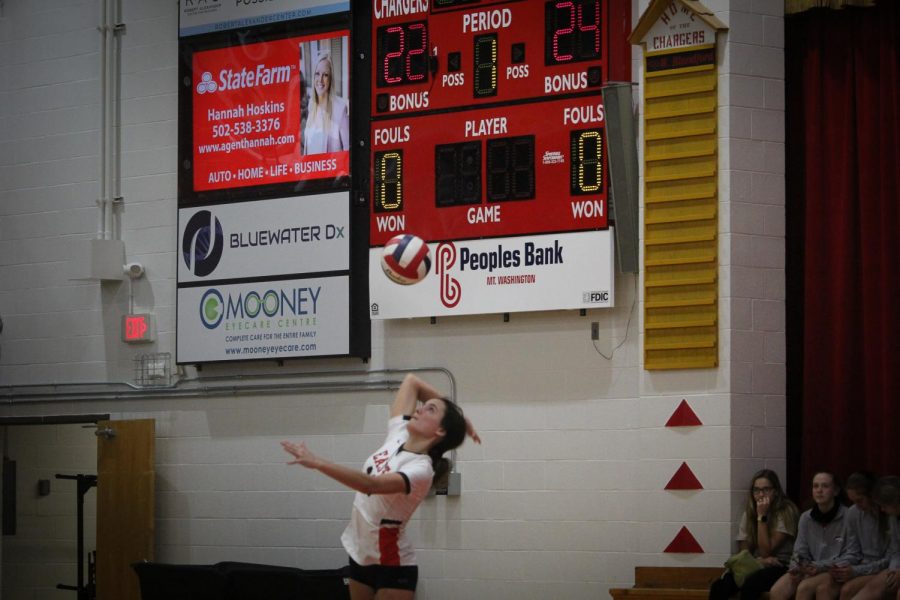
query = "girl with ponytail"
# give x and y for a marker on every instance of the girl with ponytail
(423, 426)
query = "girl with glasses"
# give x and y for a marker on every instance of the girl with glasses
(767, 530)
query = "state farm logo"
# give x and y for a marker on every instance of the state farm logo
(451, 290)
(259, 76)
(206, 83)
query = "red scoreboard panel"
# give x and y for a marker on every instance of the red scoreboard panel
(473, 53)
(487, 139)
(487, 119)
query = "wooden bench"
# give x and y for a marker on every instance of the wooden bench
(669, 583)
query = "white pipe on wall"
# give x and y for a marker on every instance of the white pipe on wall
(110, 118)
(102, 199)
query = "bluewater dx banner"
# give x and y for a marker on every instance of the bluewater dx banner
(264, 279)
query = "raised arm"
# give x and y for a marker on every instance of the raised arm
(412, 391)
(388, 483)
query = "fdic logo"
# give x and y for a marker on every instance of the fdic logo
(202, 243)
(596, 297)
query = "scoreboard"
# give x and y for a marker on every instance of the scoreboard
(487, 128)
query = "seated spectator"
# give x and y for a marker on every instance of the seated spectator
(767, 530)
(886, 584)
(867, 536)
(821, 542)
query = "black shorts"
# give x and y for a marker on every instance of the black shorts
(380, 576)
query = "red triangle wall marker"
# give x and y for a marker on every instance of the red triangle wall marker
(684, 543)
(684, 479)
(683, 417)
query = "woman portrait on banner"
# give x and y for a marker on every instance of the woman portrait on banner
(328, 120)
(765, 539)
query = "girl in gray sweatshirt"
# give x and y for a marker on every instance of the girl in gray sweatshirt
(821, 543)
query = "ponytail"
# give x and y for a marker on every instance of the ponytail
(454, 426)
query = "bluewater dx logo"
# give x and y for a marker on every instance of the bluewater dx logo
(202, 243)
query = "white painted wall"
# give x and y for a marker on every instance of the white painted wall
(565, 496)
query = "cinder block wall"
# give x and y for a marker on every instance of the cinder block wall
(565, 496)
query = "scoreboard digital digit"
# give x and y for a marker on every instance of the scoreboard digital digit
(488, 142)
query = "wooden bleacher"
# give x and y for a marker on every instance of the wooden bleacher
(669, 583)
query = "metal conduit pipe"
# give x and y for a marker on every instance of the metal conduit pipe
(328, 382)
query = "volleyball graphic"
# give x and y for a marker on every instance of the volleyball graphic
(406, 259)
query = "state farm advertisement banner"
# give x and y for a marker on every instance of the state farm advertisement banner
(273, 319)
(271, 112)
(510, 274)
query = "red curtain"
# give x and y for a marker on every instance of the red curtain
(843, 134)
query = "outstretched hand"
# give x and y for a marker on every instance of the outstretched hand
(470, 431)
(302, 455)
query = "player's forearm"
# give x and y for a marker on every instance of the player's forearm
(389, 483)
(353, 479)
(412, 391)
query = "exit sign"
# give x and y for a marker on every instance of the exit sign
(138, 328)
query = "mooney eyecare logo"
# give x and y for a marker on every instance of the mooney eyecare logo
(229, 79)
(252, 309)
(202, 243)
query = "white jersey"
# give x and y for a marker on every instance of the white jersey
(376, 534)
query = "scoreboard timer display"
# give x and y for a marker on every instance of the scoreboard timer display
(487, 122)
(462, 54)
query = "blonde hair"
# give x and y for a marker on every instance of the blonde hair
(326, 105)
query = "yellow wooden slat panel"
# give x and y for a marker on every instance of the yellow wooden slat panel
(680, 219)
(680, 168)
(696, 273)
(681, 215)
(668, 73)
(677, 190)
(681, 83)
(682, 295)
(689, 104)
(681, 316)
(683, 147)
(682, 126)
(699, 358)
(698, 252)
(674, 233)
